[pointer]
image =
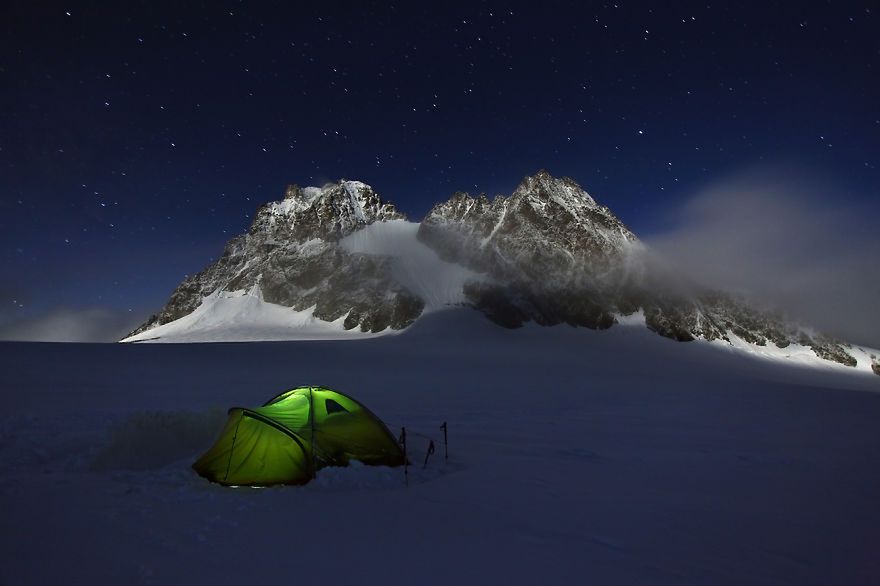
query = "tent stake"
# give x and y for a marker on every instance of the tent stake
(428, 453)
(445, 445)
(405, 459)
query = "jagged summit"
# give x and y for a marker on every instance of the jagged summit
(329, 212)
(544, 186)
(547, 227)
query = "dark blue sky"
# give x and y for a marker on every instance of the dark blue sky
(138, 137)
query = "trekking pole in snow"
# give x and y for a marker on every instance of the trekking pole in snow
(402, 441)
(445, 444)
(428, 453)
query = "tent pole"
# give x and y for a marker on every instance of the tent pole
(232, 449)
(314, 444)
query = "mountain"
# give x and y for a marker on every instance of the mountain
(346, 263)
(290, 257)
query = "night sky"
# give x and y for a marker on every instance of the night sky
(137, 137)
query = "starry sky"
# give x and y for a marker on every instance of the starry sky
(137, 137)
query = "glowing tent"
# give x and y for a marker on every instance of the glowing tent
(292, 436)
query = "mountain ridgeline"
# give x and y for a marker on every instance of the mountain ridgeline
(548, 253)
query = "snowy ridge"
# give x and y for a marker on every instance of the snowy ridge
(797, 354)
(794, 354)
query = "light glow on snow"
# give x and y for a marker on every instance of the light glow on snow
(795, 354)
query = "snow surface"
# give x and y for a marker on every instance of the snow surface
(414, 264)
(243, 316)
(576, 457)
(798, 354)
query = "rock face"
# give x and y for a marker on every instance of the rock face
(549, 231)
(290, 253)
(557, 256)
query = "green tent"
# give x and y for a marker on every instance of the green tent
(295, 434)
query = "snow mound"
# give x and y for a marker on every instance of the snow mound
(154, 439)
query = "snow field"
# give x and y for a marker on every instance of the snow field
(614, 457)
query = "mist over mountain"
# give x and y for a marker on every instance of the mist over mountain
(786, 242)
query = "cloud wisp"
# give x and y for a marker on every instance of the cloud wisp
(803, 247)
(72, 325)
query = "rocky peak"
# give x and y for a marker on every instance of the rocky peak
(546, 226)
(292, 191)
(330, 212)
(542, 186)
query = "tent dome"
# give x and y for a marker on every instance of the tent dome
(293, 435)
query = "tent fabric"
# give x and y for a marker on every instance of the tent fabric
(295, 434)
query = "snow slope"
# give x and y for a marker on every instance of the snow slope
(243, 316)
(576, 457)
(416, 266)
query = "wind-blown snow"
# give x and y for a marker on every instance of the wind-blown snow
(243, 316)
(414, 265)
(576, 457)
